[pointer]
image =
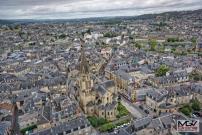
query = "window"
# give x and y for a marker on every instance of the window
(108, 113)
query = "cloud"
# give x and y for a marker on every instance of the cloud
(67, 9)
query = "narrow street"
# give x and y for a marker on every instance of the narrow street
(133, 109)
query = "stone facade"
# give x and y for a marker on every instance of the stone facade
(99, 99)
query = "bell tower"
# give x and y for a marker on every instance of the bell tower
(85, 82)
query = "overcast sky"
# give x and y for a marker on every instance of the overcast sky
(68, 9)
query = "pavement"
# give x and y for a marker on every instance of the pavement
(135, 111)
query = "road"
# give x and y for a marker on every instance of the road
(132, 108)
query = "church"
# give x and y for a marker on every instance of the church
(98, 99)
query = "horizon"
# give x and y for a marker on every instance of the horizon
(102, 17)
(83, 9)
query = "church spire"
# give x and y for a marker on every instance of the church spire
(84, 68)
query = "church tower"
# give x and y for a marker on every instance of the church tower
(85, 82)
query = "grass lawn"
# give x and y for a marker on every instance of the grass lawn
(122, 111)
(96, 121)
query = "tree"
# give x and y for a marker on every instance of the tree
(162, 70)
(195, 105)
(173, 50)
(62, 36)
(153, 43)
(138, 45)
(106, 127)
(196, 76)
(88, 31)
(193, 40)
(110, 34)
(96, 121)
(122, 111)
(185, 111)
(17, 27)
(173, 39)
(30, 128)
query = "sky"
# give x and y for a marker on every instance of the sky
(70, 9)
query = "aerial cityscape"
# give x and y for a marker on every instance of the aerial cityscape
(100, 67)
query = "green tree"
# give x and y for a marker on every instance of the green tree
(17, 27)
(193, 40)
(110, 34)
(88, 31)
(195, 105)
(173, 50)
(185, 111)
(173, 39)
(161, 71)
(96, 121)
(122, 111)
(107, 127)
(138, 45)
(62, 36)
(153, 43)
(30, 128)
(196, 76)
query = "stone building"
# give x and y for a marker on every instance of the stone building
(99, 99)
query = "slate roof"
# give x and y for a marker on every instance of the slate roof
(43, 132)
(7, 78)
(197, 88)
(4, 126)
(45, 115)
(123, 75)
(180, 91)
(109, 106)
(79, 122)
(103, 87)
(156, 124)
(138, 124)
(52, 81)
(156, 95)
(167, 121)
(171, 78)
(143, 122)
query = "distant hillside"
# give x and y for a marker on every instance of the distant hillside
(177, 14)
(6, 22)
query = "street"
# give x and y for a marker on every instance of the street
(133, 109)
